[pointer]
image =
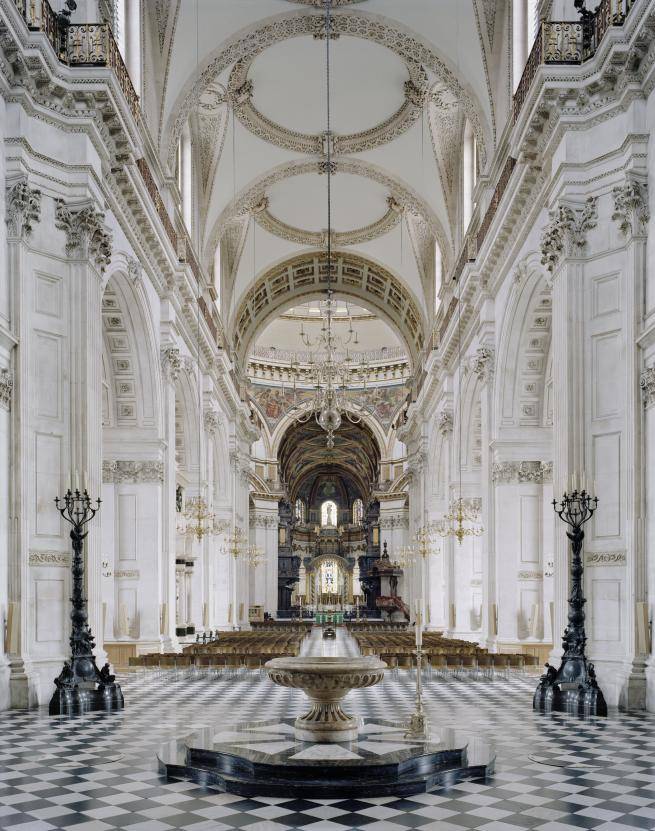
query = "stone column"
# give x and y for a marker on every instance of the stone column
(23, 211)
(263, 534)
(171, 364)
(88, 247)
(644, 615)
(438, 595)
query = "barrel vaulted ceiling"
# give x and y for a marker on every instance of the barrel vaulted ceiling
(260, 175)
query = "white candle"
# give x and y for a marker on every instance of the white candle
(76, 481)
(85, 480)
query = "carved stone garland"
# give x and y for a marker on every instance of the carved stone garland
(6, 389)
(631, 207)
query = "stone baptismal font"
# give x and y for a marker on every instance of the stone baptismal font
(326, 682)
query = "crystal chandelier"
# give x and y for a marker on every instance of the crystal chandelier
(331, 370)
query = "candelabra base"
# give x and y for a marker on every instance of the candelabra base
(570, 689)
(81, 687)
(417, 726)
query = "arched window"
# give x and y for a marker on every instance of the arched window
(358, 512)
(329, 514)
(524, 31)
(217, 274)
(127, 31)
(184, 176)
(438, 275)
(299, 511)
(468, 175)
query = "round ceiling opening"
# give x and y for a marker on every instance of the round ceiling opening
(367, 84)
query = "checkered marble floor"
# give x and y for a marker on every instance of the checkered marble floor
(98, 771)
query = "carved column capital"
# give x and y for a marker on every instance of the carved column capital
(565, 235)
(133, 269)
(647, 384)
(86, 234)
(212, 421)
(171, 363)
(6, 389)
(631, 207)
(23, 209)
(445, 422)
(482, 363)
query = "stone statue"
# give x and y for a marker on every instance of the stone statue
(178, 499)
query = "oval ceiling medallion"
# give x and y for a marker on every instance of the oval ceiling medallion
(357, 236)
(412, 93)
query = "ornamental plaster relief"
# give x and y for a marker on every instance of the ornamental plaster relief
(86, 234)
(137, 472)
(389, 522)
(482, 363)
(445, 422)
(171, 363)
(212, 420)
(6, 389)
(57, 559)
(318, 239)
(128, 574)
(529, 575)
(647, 384)
(631, 207)
(240, 92)
(513, 473)
(263, 520)
(246, 46)
(23, 209)
(565, 235)
(605, 558)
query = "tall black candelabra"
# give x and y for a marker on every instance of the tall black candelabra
(81, 686)
(573, 688)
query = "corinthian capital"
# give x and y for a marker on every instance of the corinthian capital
(482, 363)
(171, 362)
(631, 207)
(23, 209)
(86, 235)
(212, 420)
(6, 388)
(566, 233)
(647, 383)
(445, 422)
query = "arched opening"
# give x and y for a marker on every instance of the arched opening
(329, 514)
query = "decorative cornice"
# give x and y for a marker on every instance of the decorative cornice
(647, 384)
(23, 209)
(445, 422)
(6, 388)
(122, 471)
(482, 363)
(86, 235)
(57, 559)
(511, 473)
(171, 363)
(631, 207)
(212, 420)
(605, 558)
(565, 235)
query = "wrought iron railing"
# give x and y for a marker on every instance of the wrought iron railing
(93, 44)
(157, 201)
(501, 187)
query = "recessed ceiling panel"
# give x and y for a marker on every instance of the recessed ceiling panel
(366, 84)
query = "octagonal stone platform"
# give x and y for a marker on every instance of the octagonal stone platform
(265, 758)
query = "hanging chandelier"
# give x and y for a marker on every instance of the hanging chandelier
(462, 519)
(330, 373)
(198, 519)
(236, 546)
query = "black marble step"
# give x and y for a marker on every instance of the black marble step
(394, 765)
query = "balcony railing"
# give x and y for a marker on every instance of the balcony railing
(157, 201)
(93, 44)
(557, 42)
